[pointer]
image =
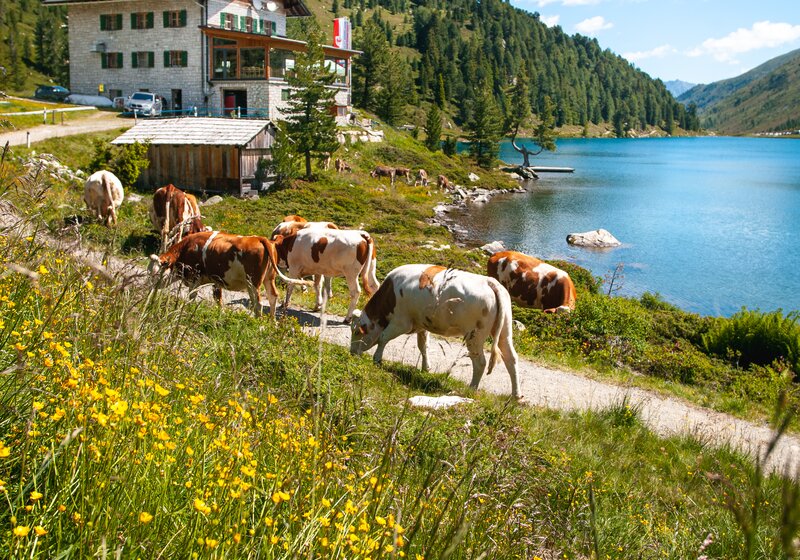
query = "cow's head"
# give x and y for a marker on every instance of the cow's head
(156, 266)
(364, 333)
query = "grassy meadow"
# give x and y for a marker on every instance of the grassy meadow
(136, 424)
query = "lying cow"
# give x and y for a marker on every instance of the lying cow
(421, 298)
(174, 214)
(341, 166)
(533, 283)
(330, 253)
(383, 171)
(103, 194)
(444, 183)
(233, 262)
(422, 178)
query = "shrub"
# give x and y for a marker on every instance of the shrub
(125, 161)
(752, 337)
(583, 278)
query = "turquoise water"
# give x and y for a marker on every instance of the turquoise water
(711, 224)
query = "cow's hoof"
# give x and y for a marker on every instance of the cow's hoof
(347, 320)
(519, 399)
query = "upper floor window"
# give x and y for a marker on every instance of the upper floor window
(142, 59)
(142, 20)
(111, 60)
(226, 21)
(110, 22)
(175, 18)
(176, 59)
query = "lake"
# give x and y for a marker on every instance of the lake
(711, 224)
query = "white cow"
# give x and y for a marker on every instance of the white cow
(422, 298)
(330, 253)
(103, 194)
(291, 225)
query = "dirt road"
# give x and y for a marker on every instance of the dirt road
(94, 123)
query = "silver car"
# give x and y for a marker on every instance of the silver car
(144, 103)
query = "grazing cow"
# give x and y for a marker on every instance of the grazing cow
(422, 178)
(444, 183)
(403, 172)
(326, 162)
(533, 283)
(383, 171)
(174, 214)
(103, 194)
(294, 223)
(330, 253)
(233, 262)
(341, 165)
(422, 298)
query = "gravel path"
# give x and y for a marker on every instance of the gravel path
(94, 123)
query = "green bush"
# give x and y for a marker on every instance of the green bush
(126, 161)
(752, 337)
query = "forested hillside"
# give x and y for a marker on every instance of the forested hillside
(33, 45)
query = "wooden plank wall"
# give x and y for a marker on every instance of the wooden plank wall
(194, 168)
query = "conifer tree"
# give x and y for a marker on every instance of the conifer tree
(433, 128)
(310, 124)
(484, 128)
(367, 67)
(396, 87)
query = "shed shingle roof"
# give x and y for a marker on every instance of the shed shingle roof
(194, 130)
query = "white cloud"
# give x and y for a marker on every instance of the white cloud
(550, 21)
(763, 34)
(593, 25)
(658, 52)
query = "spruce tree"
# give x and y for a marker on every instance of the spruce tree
(433, 128)
(396, 87)
(310, 124)
(484, 128)
(368, 66)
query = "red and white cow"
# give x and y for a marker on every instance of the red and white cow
(330, 253)
(233, 262)
(174, 214)
(533, 283)
(103, 194)
(293, 223)
(422, 298)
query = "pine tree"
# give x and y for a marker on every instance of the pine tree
(433, 128)
(282, 164)
(368, 66)
(441, 95)
(310, 124)
(484, 128)
(395, 87)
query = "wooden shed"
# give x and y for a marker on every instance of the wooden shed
(202, 154)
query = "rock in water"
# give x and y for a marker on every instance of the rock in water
(493, 247)
(597, 238)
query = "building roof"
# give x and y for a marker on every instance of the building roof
(194, 131)
(294, 8)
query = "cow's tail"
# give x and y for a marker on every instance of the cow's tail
(272, 252)
(368, 278)
(501, 319)
(112, 213)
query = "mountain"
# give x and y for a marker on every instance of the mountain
(764, 99)
(677, 87)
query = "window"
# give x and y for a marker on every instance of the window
(226, 21)
(143, 59)
(284, 95)
(111, 60)
(112, 93)
(142, 20)
(110, 22)
(248, 24)
(175, 18)
(280, 63)
(254, 63)
(176, 59)
(338, 67)
(225, 64)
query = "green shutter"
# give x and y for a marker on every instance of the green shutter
(133, 21)
(166, 59)
(119, 58)
(150, 20)
(134, 59)
(273, 27)
(103, 60)
(103, 23)
(150, 59)
(119, 21)
(184, 58)
(222, 19)
(182, 18)
(166, 19)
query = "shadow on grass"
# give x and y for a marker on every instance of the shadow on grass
(140, 243)
(417, 379)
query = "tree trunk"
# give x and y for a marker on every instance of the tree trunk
(308, 166)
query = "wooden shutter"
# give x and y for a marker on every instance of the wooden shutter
(184, 58)
(166, 59)
(119, 21)
(103, 22)
(166, 19)
(150, 20)
(222, 19)
(119, 56)
(133, 21)
(134, 59)
(150, 59)
(103, 60)
(273, 28)
(182, 18)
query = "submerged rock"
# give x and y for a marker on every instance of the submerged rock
(596, 238)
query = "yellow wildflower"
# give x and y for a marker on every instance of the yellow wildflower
(42, 269)
(40, 531)
(211, 543)
(145, 518)
(21, 531)
(201, 506)
(161, 391)
(4, 450)
(36, 496)
(280, 496)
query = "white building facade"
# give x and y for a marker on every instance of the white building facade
(220, 56)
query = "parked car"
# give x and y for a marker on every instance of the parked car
(51, 93)
(144, 103)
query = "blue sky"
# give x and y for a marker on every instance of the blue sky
(698, 41)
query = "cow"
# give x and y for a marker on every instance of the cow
(294, 223)
(341, 165)
(422, 178)
(233, 262)
(403, 172)
(423, 298)
(326, 162)
(533, 283)
(383, 171)
(330, 253)
(174, 214)
(444, 183)
(103, 194)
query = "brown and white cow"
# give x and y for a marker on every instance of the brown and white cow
(174, 214)
(533, 283)
(341, 165)
(403, 172)
(444, 183)
(233, 262)
(294, 223)
(330, 253)
(383, 171)
(422, 178)
(422, 298)
(103, 194)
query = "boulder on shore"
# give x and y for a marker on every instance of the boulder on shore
(473, 177)
(597, 238)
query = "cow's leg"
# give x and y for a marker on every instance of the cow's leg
(272, 292)
(218, 294)
(475, 349)
(392, 331)
(328, 288)
(289, 288)
(255, 299)
(355, 291)
(510, 361)
(318, 292)
(422, 344)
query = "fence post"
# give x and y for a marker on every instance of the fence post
(53, 116)
(44, 116)
(195, 111)
(62, 117)
(28, 139)
(238, 112)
